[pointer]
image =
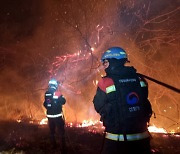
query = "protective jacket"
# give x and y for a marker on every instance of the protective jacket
(53, 103)
(122, 101)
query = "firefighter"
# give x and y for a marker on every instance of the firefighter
(122, 101)
(53, 103)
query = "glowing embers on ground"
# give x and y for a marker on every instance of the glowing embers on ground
(25, 120)
(98, 125)
(85, 123)
(43, 121)
(92, 125)
(89, 125)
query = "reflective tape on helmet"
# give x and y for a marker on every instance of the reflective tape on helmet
(54, 82)
(123, 53)
(143, 84)
(130, 137)
(54, 116)
(110, 89)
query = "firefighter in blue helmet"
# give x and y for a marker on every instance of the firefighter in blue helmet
(53, 103)
(122, 101)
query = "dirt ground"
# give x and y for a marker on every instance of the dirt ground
(26, 138)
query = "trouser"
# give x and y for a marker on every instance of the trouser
(126, 147)
(57, 123)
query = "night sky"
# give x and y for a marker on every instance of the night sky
(40, 39)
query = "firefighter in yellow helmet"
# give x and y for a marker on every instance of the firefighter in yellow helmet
(53, 102)
(122, 101)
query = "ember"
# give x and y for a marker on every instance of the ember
(32, 138)
(96, 126)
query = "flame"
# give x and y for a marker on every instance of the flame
(99, 126)
(43, 121)
(19, 120)
(155, 129)
(95, 82)
(92, 49)
(87, 123)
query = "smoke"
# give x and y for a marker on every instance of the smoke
(39, 39)
(154, 28)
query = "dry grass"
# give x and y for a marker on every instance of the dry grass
(25, 138)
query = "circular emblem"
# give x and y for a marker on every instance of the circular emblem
(132, 98)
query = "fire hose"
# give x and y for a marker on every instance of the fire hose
(160, 83)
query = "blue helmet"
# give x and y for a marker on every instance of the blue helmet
(114, 52)
(53, 83)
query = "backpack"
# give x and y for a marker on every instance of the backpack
(130, 100)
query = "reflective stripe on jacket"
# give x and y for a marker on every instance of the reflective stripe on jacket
(54, 116)
(130, 137)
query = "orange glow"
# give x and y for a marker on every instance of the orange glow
(96, 126)
(87, 123)
(154, 129)
(19, 120)
(43, 121)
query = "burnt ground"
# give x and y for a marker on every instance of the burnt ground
(26, 138)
